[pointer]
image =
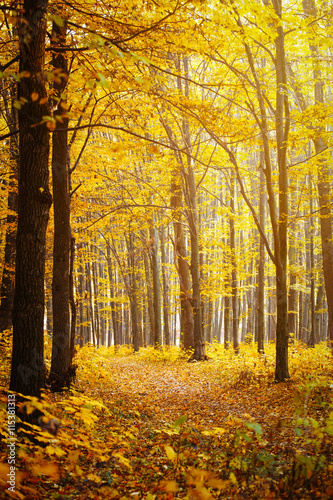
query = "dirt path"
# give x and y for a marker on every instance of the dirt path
(167, 391)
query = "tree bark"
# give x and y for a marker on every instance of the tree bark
(61, 359)
(150, 300)
(136, 334)
(261, 264)
(167, 337)
(34, 201)
(72, 302)
(180, 252)
(8, 276)
(113, 305)
(282, 123)
(233, 263)
(155, 266)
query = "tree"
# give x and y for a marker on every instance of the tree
(34, 201)
(8, 277)
(323, 185)
(60, 373)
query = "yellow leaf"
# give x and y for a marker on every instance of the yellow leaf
(52, 450)
(78, 470)
(73, 456)
(123, 460)
(218, 484)
(94, 478)
(170, 452)
(199, 493)
(169, 486)
(34, 96)
(51, 125)
(46, 469)
(233, 478)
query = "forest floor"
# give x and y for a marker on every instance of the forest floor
(154, 426)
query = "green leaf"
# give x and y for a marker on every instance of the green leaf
(254, 427)
(58, 20)
(179, 421)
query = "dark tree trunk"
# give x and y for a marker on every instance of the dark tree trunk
(8, 275)
(72, 301)
(80, 298)
(7, 282)
(61, 357)
(34, 201)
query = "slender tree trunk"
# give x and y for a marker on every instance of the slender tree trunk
(234, 289)
(136, 340)
(8, 275)
(116, 339)
(150, 300)
(80, 294)
(34, 201)
(96, 307)
(72, 301)
(226, 321)
(90, 301)
(320, 293)
(167, 337)
(261, 266)
(61, 356)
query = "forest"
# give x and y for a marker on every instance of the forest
(166, 249)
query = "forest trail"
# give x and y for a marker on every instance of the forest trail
(152, 426)
(164, 392)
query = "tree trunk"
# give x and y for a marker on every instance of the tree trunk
(233, 268)
(156, 286)
(226, 338)
(180, 257)
(150, 300)
(136, 336)
(114, 315)
(34, 201)
(261, 264)
(72, 301)
(8, 275)
(96, 307)
(80, 298)
(192, 216)
(90, 302)
(61, 358)
(167, 337)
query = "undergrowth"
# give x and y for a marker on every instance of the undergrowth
(151, 425)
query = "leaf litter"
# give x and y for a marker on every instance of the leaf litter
(151, 425)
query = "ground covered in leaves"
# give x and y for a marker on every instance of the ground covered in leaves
(151, 425)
